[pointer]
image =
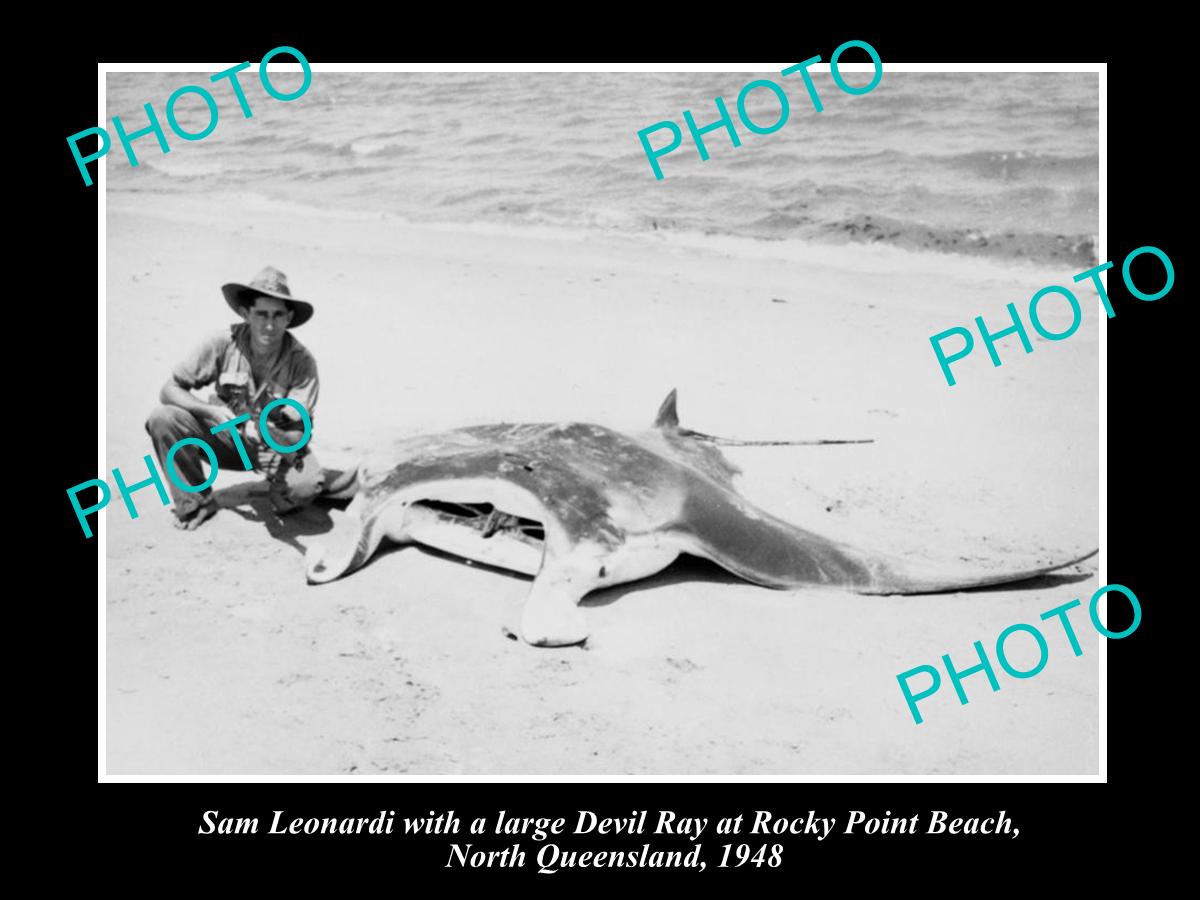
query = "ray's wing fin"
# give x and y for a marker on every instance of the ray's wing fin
(762, 549)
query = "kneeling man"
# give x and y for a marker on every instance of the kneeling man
(250, 363)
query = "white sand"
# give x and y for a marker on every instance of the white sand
(220, 659)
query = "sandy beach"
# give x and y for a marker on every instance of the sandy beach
(222, 660)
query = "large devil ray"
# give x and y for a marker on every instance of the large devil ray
(581, 507)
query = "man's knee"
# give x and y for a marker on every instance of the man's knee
(169, 421)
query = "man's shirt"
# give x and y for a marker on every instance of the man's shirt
(224, 359)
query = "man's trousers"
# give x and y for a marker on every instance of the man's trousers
(294, 482)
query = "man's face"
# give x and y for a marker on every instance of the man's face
(269, 319)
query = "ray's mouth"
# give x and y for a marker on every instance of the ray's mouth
(487, 520)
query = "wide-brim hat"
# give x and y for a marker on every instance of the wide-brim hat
(270, 282)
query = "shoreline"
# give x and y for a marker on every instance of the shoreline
(797, 248)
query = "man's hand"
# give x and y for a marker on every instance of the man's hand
(218, 413)
(266, 460)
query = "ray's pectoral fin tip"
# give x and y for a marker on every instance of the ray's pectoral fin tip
(1074, 561)
(314, 559)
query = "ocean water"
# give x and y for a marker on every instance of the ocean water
(991, 164)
